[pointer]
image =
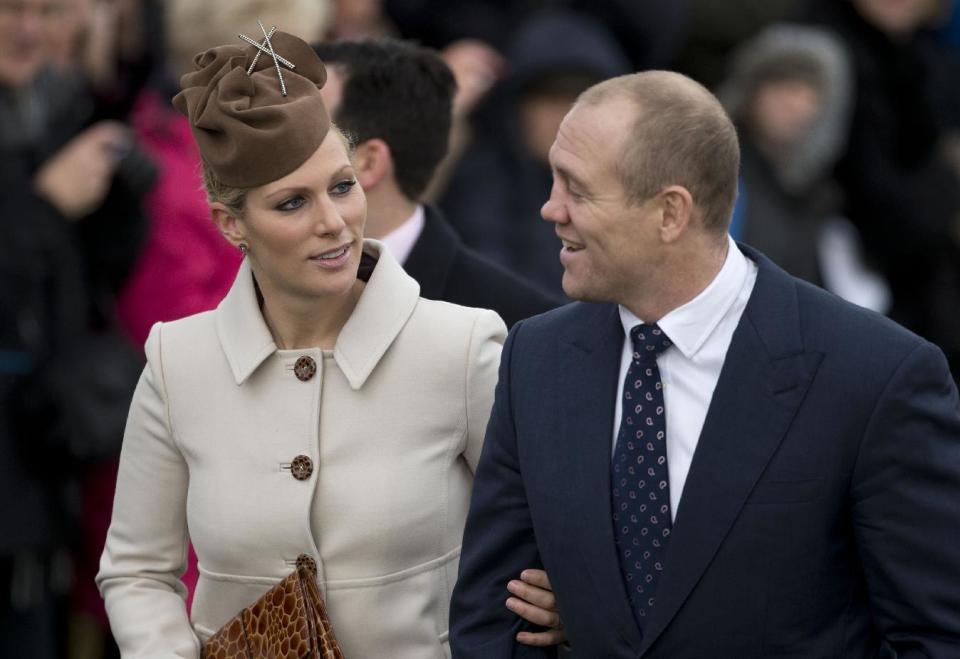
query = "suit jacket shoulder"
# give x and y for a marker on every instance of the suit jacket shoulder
(869, 345)
(448, 270)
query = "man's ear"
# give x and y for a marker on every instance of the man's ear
(677, 212)
(373, 162)
(230, 227)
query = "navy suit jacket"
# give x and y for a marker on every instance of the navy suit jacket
(448, 270)
(820, 517)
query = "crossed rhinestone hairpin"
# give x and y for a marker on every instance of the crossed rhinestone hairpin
(267, 48)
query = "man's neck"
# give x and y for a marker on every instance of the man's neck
(680, 284)
(387, 210)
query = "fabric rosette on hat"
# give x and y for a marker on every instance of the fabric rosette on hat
(250, 133)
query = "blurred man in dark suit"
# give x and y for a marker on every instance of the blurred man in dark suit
(395, 100)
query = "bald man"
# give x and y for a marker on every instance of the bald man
(709, 457)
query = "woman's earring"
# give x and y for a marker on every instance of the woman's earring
(244, 248)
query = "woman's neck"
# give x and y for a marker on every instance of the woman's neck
(308, 323)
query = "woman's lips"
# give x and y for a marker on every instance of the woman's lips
(333, 259)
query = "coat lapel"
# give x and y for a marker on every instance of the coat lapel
(386, 305)
(591, 360)
(764, 378)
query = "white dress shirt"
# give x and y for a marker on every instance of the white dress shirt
(701, 331)
(401, 240)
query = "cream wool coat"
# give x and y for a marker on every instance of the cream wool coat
(393, 422)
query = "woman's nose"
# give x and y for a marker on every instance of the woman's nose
(329, 220)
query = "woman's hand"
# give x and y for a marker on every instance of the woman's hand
(534, 601)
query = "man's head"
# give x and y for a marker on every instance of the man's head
(25, 26)
(547, 79)
(898, 19)
(395, 100)
(782, 112)
(645, 177)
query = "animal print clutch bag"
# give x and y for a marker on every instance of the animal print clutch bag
(288, 622)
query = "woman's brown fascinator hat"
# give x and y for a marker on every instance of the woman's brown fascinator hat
(255, 110)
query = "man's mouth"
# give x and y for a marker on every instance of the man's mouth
(571, 247)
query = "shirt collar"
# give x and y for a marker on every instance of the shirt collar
(387, 302)
(690, 325)
(401, 240)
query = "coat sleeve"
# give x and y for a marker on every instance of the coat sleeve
(498, 542)
(905, 496)
(146, 548)
(486, 342)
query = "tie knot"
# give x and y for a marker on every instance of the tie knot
(648, 342)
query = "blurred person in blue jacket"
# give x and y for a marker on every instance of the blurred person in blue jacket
(789, 92)
(495, 194)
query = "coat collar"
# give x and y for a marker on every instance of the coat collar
(384, 307)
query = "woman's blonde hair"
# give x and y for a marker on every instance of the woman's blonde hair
(235, 199)
(193, 26)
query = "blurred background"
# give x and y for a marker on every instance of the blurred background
(848, 112)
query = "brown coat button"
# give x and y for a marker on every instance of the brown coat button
(301, 467)
(305, 368)
(305, 560)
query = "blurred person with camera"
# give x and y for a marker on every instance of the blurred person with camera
(70, 225)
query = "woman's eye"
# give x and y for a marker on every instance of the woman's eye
(292, 204)
(343, 187)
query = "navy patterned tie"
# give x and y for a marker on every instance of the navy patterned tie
(640, 482)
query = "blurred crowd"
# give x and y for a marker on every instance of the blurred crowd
(849, 118)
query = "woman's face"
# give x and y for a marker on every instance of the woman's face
(304, 231)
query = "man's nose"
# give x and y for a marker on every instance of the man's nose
(553, 209)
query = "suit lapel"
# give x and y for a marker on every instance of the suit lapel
(764, 378)
(591, 362)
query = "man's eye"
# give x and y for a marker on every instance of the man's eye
(344, 187)
(292, 204)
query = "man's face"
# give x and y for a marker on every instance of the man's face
(540, 118)
(897, 17)
(609, 244)
(24, 26)
(782, 112)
